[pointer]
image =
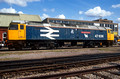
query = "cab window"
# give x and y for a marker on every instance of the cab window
(111, 31)
(108, 31)
(21, 27)
(13, 27)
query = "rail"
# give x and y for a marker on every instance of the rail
(72, 74)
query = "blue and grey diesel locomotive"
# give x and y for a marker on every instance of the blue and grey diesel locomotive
(35, 35)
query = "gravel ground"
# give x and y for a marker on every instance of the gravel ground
(91, 76)
(37, 54)
(110, 75)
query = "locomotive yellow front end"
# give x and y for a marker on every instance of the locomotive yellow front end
(110, 35)
(17, 32)
(16, 35)
(110, 38)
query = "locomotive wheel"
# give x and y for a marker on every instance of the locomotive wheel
(34, 48)
(100, 45)
(85, 46)
(91, 44)
(111, 43)
(18, 47)
(108, 44)
(10, 47)
(60, 44)
(73, 43)
(51, 46)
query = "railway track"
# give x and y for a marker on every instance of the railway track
(53, 64)
(84, 74)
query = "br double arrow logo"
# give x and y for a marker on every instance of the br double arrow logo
(50, 34)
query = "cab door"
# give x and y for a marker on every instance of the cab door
(108, 34)
(22, 31)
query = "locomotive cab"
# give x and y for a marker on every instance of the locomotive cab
(17, 31)
(110, 35)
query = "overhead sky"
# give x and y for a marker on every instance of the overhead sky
(65, 9)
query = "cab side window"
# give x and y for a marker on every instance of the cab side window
(111, 31)
(108, 31)
(21, 27)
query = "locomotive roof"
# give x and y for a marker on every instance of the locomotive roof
(63, 25)
(32, 23)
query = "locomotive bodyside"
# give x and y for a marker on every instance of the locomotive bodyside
(62, 33)
(34, 36)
